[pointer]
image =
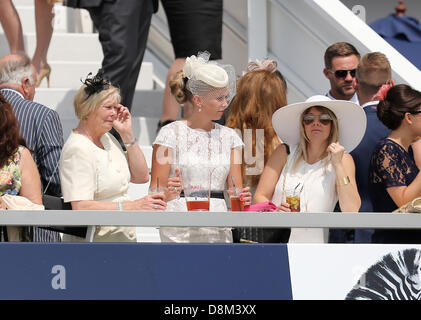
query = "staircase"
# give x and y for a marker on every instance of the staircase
(74, 52)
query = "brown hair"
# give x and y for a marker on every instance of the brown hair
(178, 86)
(399, 100)
(259, 94)
(339, 49)
(10, 139)
(373, 71)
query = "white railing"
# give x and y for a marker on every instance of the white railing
(210, 219)
(257, 29)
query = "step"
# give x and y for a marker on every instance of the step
(66, 74)
(18, 3)
(146, 103)
(63, 46)
(65, 18)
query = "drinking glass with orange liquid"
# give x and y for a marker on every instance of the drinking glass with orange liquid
(293, 199)
(196, 186)
(236, 203)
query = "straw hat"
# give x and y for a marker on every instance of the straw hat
(351, 117)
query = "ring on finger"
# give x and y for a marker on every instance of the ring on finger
(175, 189)
(155, 206)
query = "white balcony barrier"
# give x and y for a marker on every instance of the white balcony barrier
(211, 219)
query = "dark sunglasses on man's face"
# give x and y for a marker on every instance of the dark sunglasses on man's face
(342, 74)
(324, 119)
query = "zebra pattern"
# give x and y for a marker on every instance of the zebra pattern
(396, 277)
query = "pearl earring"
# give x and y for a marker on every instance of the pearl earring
(200, 109)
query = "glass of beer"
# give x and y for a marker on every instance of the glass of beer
(196, 186)
(293, 199)
(236, 203)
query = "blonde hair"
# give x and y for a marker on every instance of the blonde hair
(85, 104)
(178, 86)
(373, 71)
(304, 141)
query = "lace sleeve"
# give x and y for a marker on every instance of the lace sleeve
(389, 167)
(167, 136)
(235, 140)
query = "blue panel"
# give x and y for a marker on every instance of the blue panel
(145, 271)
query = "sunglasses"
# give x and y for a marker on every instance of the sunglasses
(342, 74)
(415, 112)
(324, 119)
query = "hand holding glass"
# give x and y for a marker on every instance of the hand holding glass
(293, 199)
(237, 204)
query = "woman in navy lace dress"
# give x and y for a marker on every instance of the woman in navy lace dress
(394, 176)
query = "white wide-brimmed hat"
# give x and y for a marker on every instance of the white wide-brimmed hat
(352, 120)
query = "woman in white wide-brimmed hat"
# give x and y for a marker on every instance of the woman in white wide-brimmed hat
(320, 133)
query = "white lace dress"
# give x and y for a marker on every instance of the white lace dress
(210, 150)
(318, 194)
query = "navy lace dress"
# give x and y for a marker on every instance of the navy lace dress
(391, 166)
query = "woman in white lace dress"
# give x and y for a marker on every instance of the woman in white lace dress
(198, 143)
(319, 132)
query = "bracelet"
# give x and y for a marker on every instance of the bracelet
(120, 206)
(130, 143)
(343, 182)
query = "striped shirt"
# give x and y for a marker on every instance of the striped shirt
(41, 128)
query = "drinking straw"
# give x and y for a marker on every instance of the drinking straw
(233, 183)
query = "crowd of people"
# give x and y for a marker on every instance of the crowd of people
(353, 148)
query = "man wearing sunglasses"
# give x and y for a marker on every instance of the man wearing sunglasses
(373, 72)
(341, 62)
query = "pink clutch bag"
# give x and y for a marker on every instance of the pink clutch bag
(268, 206)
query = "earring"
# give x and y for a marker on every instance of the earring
(200, 109)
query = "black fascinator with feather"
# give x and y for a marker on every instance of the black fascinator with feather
(96, 83)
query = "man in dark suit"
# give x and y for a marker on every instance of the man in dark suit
(123, 27)
(373, 72)
(39, 125)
